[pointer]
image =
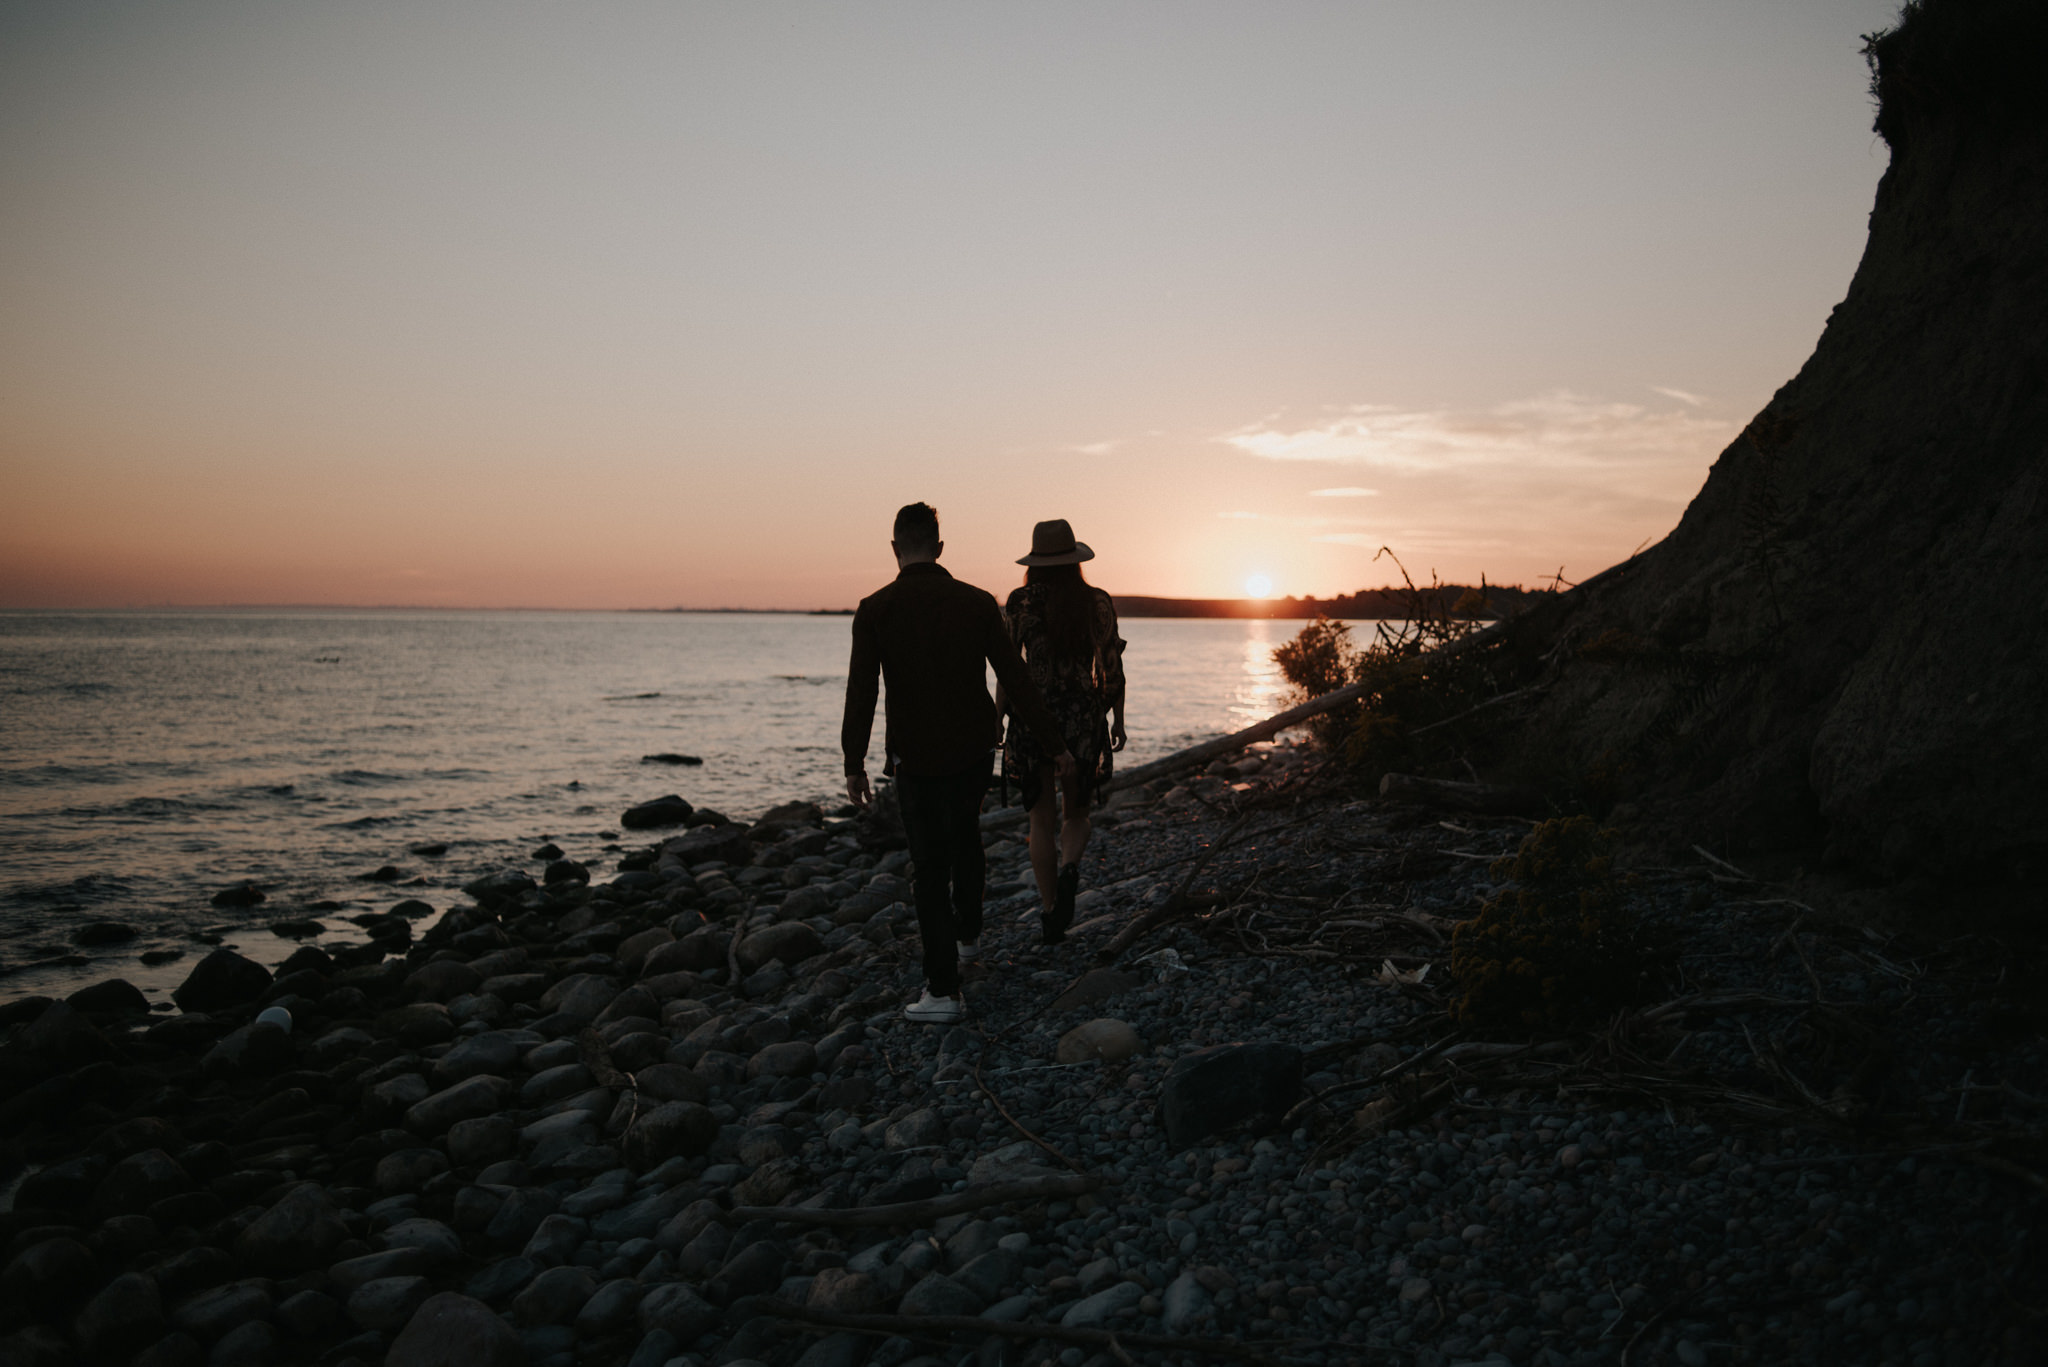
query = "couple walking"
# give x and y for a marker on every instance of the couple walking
(1059, 672)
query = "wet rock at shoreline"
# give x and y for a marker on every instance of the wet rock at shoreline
(668, 810)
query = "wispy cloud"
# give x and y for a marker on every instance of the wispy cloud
(1346, 491)
(1557, 431)
(1240, 516)
(1097, 448)
(1684, 397)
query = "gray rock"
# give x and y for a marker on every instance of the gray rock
(437, 1243)
(521, 1215)
(671, 1082)
(308, 1315)
(388, 1302)
(394, 1096)
(1102, 1307)
(52, 1271)
(451, 1330)
(1186, 1302)
(484, 1139)
(126, 1314)
(610, 1307)
(791, 1058)
(557, 1238)
(835, 1350)
(212, 1313)
(1112, 1041)
(554, 1296)
(672, 1129)
(938, 1294)
(472, 1098)
(493, 1051)
(992, 1275)
(917, 1130)
(1213, 1090)
(678, 1309)
(844, 1292)
(246, 1345)
(221, 981)
(139, 1181)
(408, 1170)
(296, 1234)
(656, 1348)
(553, 1084)
(789, 941)
(175, 1349)
(580, 996)
(503, 1279)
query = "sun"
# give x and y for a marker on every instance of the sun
(1258, 586)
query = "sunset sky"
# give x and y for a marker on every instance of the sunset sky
(640, 305)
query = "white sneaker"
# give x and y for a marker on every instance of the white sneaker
(970, 951)
(935, 1010)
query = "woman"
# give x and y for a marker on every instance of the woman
(1066, 631)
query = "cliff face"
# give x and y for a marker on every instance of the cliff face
(1842, 646)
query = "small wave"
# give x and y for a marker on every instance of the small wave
(88, 887)
(158, 807)
(366, 823)
(629, 697)
(365, 777)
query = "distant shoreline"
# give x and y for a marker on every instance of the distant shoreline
(1362, 605)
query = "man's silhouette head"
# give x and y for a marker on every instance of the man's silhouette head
(916, 538)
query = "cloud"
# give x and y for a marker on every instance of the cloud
(1347, 491)
(1240, 516)
(1557, 431)
(1693, 400)
(1096, 448)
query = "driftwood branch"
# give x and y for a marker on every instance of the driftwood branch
(1172, 906)
(921, 1212)
(942, 1327)
(1464, 797)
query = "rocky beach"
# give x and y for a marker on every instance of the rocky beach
(668, 1112)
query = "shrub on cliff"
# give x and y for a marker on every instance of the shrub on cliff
(1560, 947)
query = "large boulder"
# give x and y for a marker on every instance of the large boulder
(790, 941)
(702, 844)
(581, 996)
(669, 810)
(296, 1234)
(704, 947)
(222, 981)
(451, 1330)
(1213, 1090)
(672, 1129)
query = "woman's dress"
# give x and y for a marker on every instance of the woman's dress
(1079, 691)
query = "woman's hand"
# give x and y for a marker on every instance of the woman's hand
(1117, 738)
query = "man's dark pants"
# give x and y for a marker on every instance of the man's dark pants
(942, 819)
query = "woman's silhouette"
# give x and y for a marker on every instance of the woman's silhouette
(1066, 630)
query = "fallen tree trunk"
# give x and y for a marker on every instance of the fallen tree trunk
(1483, 798)
(1251, 735)
(921, 1212)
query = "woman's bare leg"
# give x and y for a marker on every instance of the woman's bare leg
(1044, 856)
(1076, 827)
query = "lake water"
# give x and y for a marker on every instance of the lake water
(148, 759)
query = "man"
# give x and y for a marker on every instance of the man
(928, 634)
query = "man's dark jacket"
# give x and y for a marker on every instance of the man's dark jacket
(928, 635)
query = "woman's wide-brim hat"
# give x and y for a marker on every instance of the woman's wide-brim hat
(1052, 543)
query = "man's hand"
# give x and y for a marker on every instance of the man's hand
(1117, 738)
(858, 792)
(1063, 765)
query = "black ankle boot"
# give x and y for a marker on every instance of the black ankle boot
(1068, 888)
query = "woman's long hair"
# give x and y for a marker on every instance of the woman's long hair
(1069, 609)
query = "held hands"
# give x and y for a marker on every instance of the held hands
(858, 792)
(1063, 765)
